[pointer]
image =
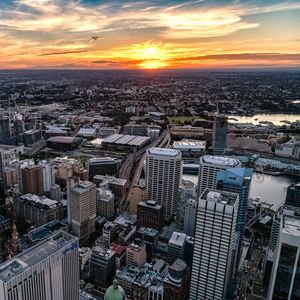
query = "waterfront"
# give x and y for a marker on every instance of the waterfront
(271, 189)
(274, 118)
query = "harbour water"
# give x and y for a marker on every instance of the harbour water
(271, 189)
(274, 118)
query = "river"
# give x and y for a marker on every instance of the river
(274, 118)
(271, 189)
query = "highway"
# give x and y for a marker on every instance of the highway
(163, 140)
(38, 146)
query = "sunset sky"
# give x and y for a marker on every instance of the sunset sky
(149, 34)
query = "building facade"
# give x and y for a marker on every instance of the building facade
(214, 245)
(237, 180)
(82, 208)
(209, 168)
(285, 277)
(150, 214)
(163, 177)
(219, 141)
(49, 271)
(33, 180)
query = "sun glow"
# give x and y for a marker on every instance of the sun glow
(151, 55)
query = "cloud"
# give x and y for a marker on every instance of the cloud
(244, 56)
(178, 21)
(63, 53)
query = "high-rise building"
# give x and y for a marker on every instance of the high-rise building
(33, 182)
(285, 277)
(105, 203)
(275, 231)
(190, 214)
(209, 168)
(4, 128)
(48, 270)
(102, 266)
(163, 177)
(237, 180)
(214, 245)
(219, 142)
(150, 214)
(47, 175)
(82, 208)
(187, 190)
(293, 196)
(55, 192)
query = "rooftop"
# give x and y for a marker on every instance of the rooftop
(126, 139)
(189, 144)
(147, 231)
(119, 249)
(221, 197)
(64, 139)
(35, 254)
(111, 179)
(40, 200)
(83, 186)
(150, 203)
(42, 232)
(291, 225)
(164, 152)
(220, 161)
(129, 272)
(177, 238)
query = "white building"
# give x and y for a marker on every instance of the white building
(209, 168)
(81, 208)
(285, 277)
(163, 177)
(190, 214)
(214, 245)
(49, 271)
(47, 175)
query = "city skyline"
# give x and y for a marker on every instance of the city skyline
(37, 34)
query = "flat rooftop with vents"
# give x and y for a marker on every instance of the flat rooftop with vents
(35, 254)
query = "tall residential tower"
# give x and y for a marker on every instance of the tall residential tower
(209, 168)
(163, 176)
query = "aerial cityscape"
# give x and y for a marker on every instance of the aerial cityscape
(149, 150)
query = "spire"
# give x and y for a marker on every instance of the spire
(15, 240)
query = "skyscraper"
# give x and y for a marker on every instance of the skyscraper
(293, 196)
(285, 277)
(4, 128)
(163, 176)
(49, 271)
(219, 142)
(214, 245)
(82, 208)
(190, 214)
(47, 175)
(209, 168)
(32, 177)
(237, 180)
